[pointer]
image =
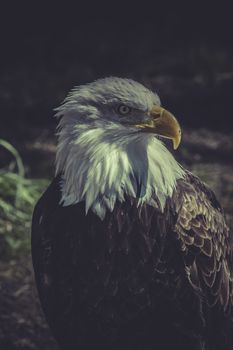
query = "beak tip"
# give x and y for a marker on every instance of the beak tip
(176, 141)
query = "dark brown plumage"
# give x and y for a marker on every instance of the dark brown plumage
(140, 279)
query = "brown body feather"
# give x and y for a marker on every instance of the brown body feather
(141, 278)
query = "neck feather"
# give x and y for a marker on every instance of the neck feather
(103, 165)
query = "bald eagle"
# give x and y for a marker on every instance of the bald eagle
(130, 250)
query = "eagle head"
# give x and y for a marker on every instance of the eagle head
(123, 102)
(109, 145)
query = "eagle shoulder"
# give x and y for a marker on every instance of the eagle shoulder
(205, 242)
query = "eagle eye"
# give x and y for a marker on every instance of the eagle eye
(123, 109)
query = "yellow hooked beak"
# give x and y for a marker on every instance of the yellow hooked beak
(163, 123)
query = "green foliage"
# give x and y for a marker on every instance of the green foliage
(18, 196)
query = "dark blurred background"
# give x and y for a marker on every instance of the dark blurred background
(181, 50)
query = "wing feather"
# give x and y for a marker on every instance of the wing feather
(204, 234)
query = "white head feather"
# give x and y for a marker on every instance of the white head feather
(100, 159)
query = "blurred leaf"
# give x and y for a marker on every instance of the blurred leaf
(18, 196)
